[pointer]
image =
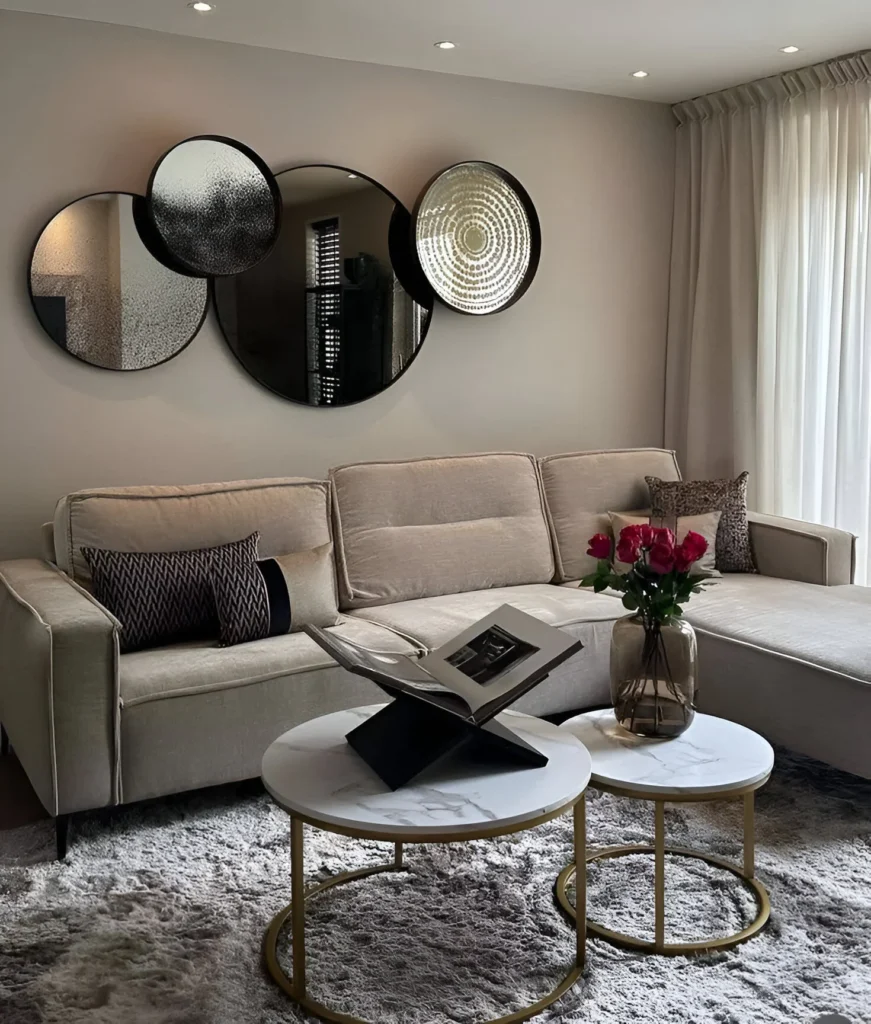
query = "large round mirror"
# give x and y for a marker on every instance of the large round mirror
(328, 317)
(100, 294)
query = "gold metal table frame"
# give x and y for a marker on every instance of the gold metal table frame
(746, 872)
(295, 985)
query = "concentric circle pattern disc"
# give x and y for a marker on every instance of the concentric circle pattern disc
(474, 238)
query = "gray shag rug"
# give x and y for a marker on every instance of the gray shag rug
(158, 914)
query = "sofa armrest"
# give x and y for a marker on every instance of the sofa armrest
(793, 550)
(59, 696)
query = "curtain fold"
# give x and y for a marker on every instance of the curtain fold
(769, 343)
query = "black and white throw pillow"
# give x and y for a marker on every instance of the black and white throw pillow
(671, 498)
(163, 597)
(274, 595)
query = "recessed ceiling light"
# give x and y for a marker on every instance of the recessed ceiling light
(445, 44)
(789, 49)
(352, 175)
(640, 74)
(202, 7)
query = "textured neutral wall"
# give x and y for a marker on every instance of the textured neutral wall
(578, 363)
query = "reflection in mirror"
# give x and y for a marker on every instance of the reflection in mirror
(102, 296)
(213, 207)
(324, 320)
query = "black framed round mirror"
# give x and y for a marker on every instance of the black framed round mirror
(213, 207)
(338, 311)
(99, 293)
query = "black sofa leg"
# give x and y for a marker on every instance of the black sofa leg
(62, 832)
(4, 742)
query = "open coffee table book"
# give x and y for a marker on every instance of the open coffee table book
(448, 700)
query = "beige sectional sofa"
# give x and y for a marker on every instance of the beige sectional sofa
(423, 548)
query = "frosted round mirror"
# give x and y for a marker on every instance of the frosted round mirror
(100, 294)
(338, 310)
(213, 207)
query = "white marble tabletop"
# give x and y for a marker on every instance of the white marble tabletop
(312, 771)
(712, 756)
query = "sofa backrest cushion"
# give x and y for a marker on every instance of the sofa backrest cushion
(581, 488)
(422, 528)
(290, 514)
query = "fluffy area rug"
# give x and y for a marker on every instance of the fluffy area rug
(158, 914)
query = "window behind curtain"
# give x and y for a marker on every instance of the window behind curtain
(323, 310)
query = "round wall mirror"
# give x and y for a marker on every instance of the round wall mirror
(328, 318)
(213, 207)
(100, 294)
(477, 237)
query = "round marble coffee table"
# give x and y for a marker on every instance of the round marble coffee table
(313, 773)
(713, 760)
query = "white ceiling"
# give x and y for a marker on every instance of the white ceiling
(688, 46)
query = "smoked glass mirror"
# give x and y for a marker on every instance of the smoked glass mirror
(100, 294)
(338, 310)
(213, 207)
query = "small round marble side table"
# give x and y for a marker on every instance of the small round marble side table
(713, 760)
(313, 773)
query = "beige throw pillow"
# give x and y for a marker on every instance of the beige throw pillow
(272, 596)
(705, 524)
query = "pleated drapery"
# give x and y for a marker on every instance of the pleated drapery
(769, 346)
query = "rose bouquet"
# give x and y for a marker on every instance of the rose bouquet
(653, 650)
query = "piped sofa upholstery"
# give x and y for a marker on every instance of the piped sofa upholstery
(422, 549)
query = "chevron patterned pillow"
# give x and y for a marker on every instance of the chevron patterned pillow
(162, 597)
(274, 596)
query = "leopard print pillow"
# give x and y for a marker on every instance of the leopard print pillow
(671, 498)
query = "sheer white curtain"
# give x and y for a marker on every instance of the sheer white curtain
(770, 320)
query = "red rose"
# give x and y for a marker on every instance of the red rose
(690, 551)
(631, 533)
(628, 549)
(600, 546)
(695, 544)
(647, 535)
(662, 535)
(661, 557)
(682, 561)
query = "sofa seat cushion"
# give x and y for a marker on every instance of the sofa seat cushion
(829, 627)
(431, 621)
(198, 667)
(580, 682)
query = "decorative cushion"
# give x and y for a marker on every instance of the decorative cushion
(257, 599)
(162, 597)
(705, 524)
(693, 497)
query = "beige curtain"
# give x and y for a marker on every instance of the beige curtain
(769, 346)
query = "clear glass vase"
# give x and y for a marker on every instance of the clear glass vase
(653, 675)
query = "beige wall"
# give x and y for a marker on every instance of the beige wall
(578, 363)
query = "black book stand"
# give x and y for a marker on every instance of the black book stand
(408, 735)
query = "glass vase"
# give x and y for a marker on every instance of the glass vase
(653, 675)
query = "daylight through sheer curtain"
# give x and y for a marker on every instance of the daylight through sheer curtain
(770, 320)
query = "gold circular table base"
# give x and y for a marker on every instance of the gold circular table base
(667, 948)
(270, 952)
